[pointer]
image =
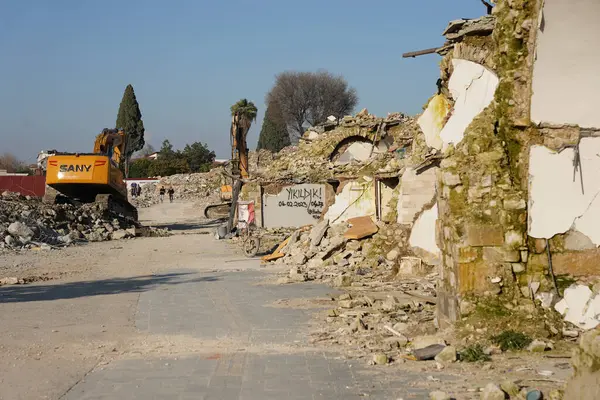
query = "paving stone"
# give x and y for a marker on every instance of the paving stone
(236, 306)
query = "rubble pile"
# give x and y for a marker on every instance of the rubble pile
(390, 295)
(198, 186)
(28, 222)
(314, 158)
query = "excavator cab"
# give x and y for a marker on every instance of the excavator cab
(92, 177)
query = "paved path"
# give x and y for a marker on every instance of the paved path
(265, 355)
(182, 317)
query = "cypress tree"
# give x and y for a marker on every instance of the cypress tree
(273, 134)
(129, 119)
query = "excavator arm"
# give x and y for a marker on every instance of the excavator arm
(111, 142)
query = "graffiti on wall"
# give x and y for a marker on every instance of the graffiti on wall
(310, 199)
(296, 205)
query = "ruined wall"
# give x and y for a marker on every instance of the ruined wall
(355, 198)
(564, 168)
(507, 183)
(565, 77)
(295, 205)
(482, 185)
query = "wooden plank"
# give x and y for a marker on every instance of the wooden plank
(362, 227)
(277, 253)
(414, 54)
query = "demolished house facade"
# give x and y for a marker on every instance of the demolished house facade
(494, 186)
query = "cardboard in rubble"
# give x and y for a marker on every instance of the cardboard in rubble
(360, 228)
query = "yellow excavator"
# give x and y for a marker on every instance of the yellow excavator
(91, 177)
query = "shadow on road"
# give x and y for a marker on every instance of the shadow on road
(72, 290)
(189, 226)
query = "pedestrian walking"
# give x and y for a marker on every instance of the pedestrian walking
(162, 193)
(171, 193)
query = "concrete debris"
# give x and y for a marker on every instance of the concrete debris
(28, 222)
(426, 341)
(580, 307)
(204, 188)
(510, 388)
(537, 346)
(492, 392)
(380, 359)
(353, 146)
(439, 395)
(447, 355)
(317, 233)
(10, 281)
(457, 29)
(429, 352)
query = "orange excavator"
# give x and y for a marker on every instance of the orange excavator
(91, 177)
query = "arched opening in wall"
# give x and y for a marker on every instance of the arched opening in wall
(351, 148)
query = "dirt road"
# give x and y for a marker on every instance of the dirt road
(53, 332)
(188, 317)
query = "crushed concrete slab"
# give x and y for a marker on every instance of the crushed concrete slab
(317, 233)
(472, 87)
(580, 307)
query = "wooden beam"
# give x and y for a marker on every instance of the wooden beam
(414, 54)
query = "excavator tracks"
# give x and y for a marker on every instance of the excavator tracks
(106, 203)
(114, 205)
(217, 211)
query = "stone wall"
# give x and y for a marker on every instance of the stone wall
(507, 184)
(482, 188)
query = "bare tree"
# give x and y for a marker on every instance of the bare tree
(308, 98)
(11, 163)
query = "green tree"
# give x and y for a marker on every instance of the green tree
(243, 113)
(166, 150)
(165, 166)
(198, 157)
(129, 119)
(274, 134)
(140, 168)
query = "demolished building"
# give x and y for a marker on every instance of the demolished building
(494, 183)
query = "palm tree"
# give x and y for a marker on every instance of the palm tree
(243, 113)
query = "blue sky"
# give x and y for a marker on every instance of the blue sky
(65, 63)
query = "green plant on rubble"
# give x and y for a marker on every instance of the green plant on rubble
(563, 281)
(474, 353)
(511, 340)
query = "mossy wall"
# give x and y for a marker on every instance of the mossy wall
(483, 180)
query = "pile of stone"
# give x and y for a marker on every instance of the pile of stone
(28, 222)
(311, 160)
(203, 186)
(326, 252)
(389, 294)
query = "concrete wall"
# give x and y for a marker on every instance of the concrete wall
(354, 199)
(416, 192)
(565, 75)
(295, 205)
